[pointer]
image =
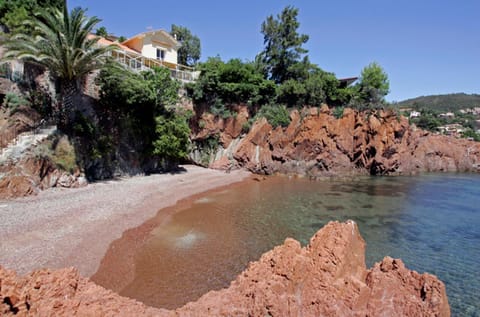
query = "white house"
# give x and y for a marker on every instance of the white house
(158, 44)
(414, 114)
(151, 49)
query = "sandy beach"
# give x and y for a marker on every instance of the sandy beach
(74, 227)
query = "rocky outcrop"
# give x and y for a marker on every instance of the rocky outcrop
(11, 125)
(326, 278)
(317, 144)
(33, 174)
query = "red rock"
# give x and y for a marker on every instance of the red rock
(380, 143)
(326, 278)
(32, 174)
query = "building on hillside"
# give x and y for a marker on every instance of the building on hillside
(151, 49)
(454, 129)
(158, 45)
(415, 114)
(345, 82)
(448, 115)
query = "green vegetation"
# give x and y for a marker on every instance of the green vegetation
(64, 154)
(12, 101)
(172, 139)
(283, 51)
(221, 84)
(275, 115)
(189, 52)
(14, 13)
(469, 133)
(443, 103)
(372, 88)
(316, 88)
(338, 112)
(60, 151)
(101, 31)
(62, 46)
(139, 107)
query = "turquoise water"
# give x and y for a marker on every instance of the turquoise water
(431, 222)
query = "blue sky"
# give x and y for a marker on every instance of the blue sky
(425, 46)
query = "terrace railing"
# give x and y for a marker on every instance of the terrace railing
(137, 62)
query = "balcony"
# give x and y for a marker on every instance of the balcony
(137, 63)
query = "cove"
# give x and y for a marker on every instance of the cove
(431, 222)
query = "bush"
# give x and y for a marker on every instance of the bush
(275, 115)
(469, 133)
(60, 151)
(232, 82)
(338, 112)
(317, 88)
(172, 141)
(12, 101)
(64, 154)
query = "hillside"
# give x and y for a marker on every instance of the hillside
(450, 102)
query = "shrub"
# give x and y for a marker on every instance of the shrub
(275, 115)
(338, 112)
(12, 101)
(232, 82)
(469, 133)
(60, 151)
(64, 154)
(172, 141)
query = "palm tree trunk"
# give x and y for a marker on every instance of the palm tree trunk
(68, 93)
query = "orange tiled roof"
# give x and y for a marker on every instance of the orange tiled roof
(105, 42)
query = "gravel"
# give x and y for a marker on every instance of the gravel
(74, 227)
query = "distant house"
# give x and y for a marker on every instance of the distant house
(415, 114)
(447, 115)
(451, 129)
(345, 82)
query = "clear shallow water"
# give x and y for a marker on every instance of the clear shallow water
(432, 222)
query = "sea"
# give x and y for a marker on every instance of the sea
(430, 221)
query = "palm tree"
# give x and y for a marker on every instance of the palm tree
(60, 43)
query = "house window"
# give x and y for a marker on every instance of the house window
(160, 54)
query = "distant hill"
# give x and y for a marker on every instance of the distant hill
(450, 102)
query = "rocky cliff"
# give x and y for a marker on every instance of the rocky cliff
(317, 144)
(326, 278)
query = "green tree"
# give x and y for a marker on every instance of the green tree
(172, 139)
(317, 87)
(232, 82)
(61, 45)
(283, 46)
(101, 31)
(372, 87)
(275, 115)
(131, 101)
(13, 13)
(189, 52)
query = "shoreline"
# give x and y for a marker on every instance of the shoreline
(74, 227)
(115, 269)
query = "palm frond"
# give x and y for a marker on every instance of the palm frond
(61, 43)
